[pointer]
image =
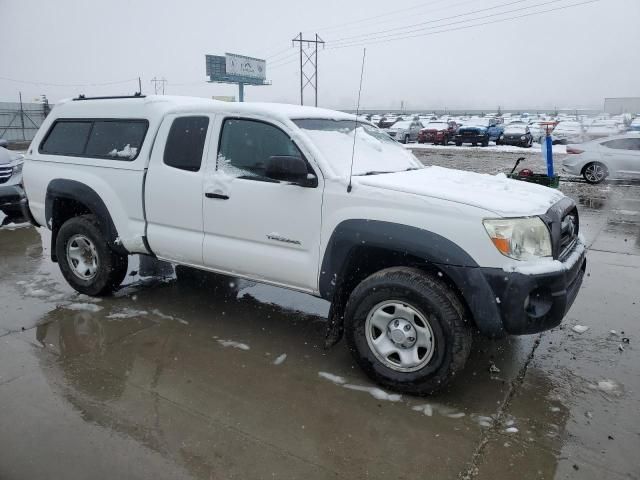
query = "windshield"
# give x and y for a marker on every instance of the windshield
(516, 129)
(402, 124)
(375, 151)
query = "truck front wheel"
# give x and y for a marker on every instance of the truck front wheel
(407, 330)
(86, 261)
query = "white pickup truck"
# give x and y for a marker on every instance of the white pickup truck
(411, 257)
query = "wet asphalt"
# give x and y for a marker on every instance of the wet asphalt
(166, 380)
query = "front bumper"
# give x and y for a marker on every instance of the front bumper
(10, 197)
(13, 202)
(472, 138)
(516, 142)
(534, 303)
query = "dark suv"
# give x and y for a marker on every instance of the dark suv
(472, 135)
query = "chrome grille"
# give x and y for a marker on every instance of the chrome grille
(5, 174)
(569, 232)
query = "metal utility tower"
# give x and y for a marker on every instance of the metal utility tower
(308, 48)
(162, 81)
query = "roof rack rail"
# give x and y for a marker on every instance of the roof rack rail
(135, 95)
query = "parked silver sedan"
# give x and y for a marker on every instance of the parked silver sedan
(611, 157)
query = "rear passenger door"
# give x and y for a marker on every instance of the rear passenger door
(173, 188)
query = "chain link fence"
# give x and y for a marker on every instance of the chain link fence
(19, 122)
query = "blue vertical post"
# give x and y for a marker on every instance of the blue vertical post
(549, 156)
(241, 92)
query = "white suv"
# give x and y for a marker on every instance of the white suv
(412, 258)
(11, 194)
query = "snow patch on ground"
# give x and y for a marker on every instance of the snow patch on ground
(87, 307)
(164, 316)
(280, 359)
(127, 313)
(333, 378)
(426, 409)
(231, 343)
(608, 386)
(375, 392)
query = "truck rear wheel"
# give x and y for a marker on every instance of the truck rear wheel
(407, 330)
(86, 261)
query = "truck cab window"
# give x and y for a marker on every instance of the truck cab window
(66, 138)
(185, 143)
(117, 139)
(247, 145)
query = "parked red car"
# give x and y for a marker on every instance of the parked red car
(438, 133)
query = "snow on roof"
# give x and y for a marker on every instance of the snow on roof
(154, 105)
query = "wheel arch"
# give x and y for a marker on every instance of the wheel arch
(358, 248)
(69, 198)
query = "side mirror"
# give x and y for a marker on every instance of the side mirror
(290, 169)
(3, 143)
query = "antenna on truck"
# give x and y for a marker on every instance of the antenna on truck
(355, 130)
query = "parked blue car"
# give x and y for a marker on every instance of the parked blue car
(472, 134)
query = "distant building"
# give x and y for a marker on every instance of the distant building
(616, 106)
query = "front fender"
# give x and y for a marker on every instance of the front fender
(437, 251)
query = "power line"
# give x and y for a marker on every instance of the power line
(343, 39)
(364, 20)
(375, 41)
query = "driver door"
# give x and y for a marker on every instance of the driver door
(255, 226)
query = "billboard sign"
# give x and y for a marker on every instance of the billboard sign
(242, 66)
(236, 69)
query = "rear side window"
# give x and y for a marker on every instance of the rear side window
(623, 144)
(105, 138)
(185, 143)
(67, 138)
(116, 139)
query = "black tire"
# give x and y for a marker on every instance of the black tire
(111, 266)
(433, 299)
(458, 144)
(594, 178)
(405, 140)
(485, 143)
(445, 141)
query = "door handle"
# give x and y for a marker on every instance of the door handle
(219, 196)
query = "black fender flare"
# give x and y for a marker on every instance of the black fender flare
(437, 251)
(81, 193)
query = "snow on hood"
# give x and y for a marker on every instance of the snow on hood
(497, 193)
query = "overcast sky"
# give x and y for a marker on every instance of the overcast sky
(572, 57)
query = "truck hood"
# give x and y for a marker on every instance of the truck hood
(495, 193)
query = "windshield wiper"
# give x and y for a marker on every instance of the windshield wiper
(412, 168)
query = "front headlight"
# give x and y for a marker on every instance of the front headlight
(17, 168)
(523, 137)
(520, 238)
